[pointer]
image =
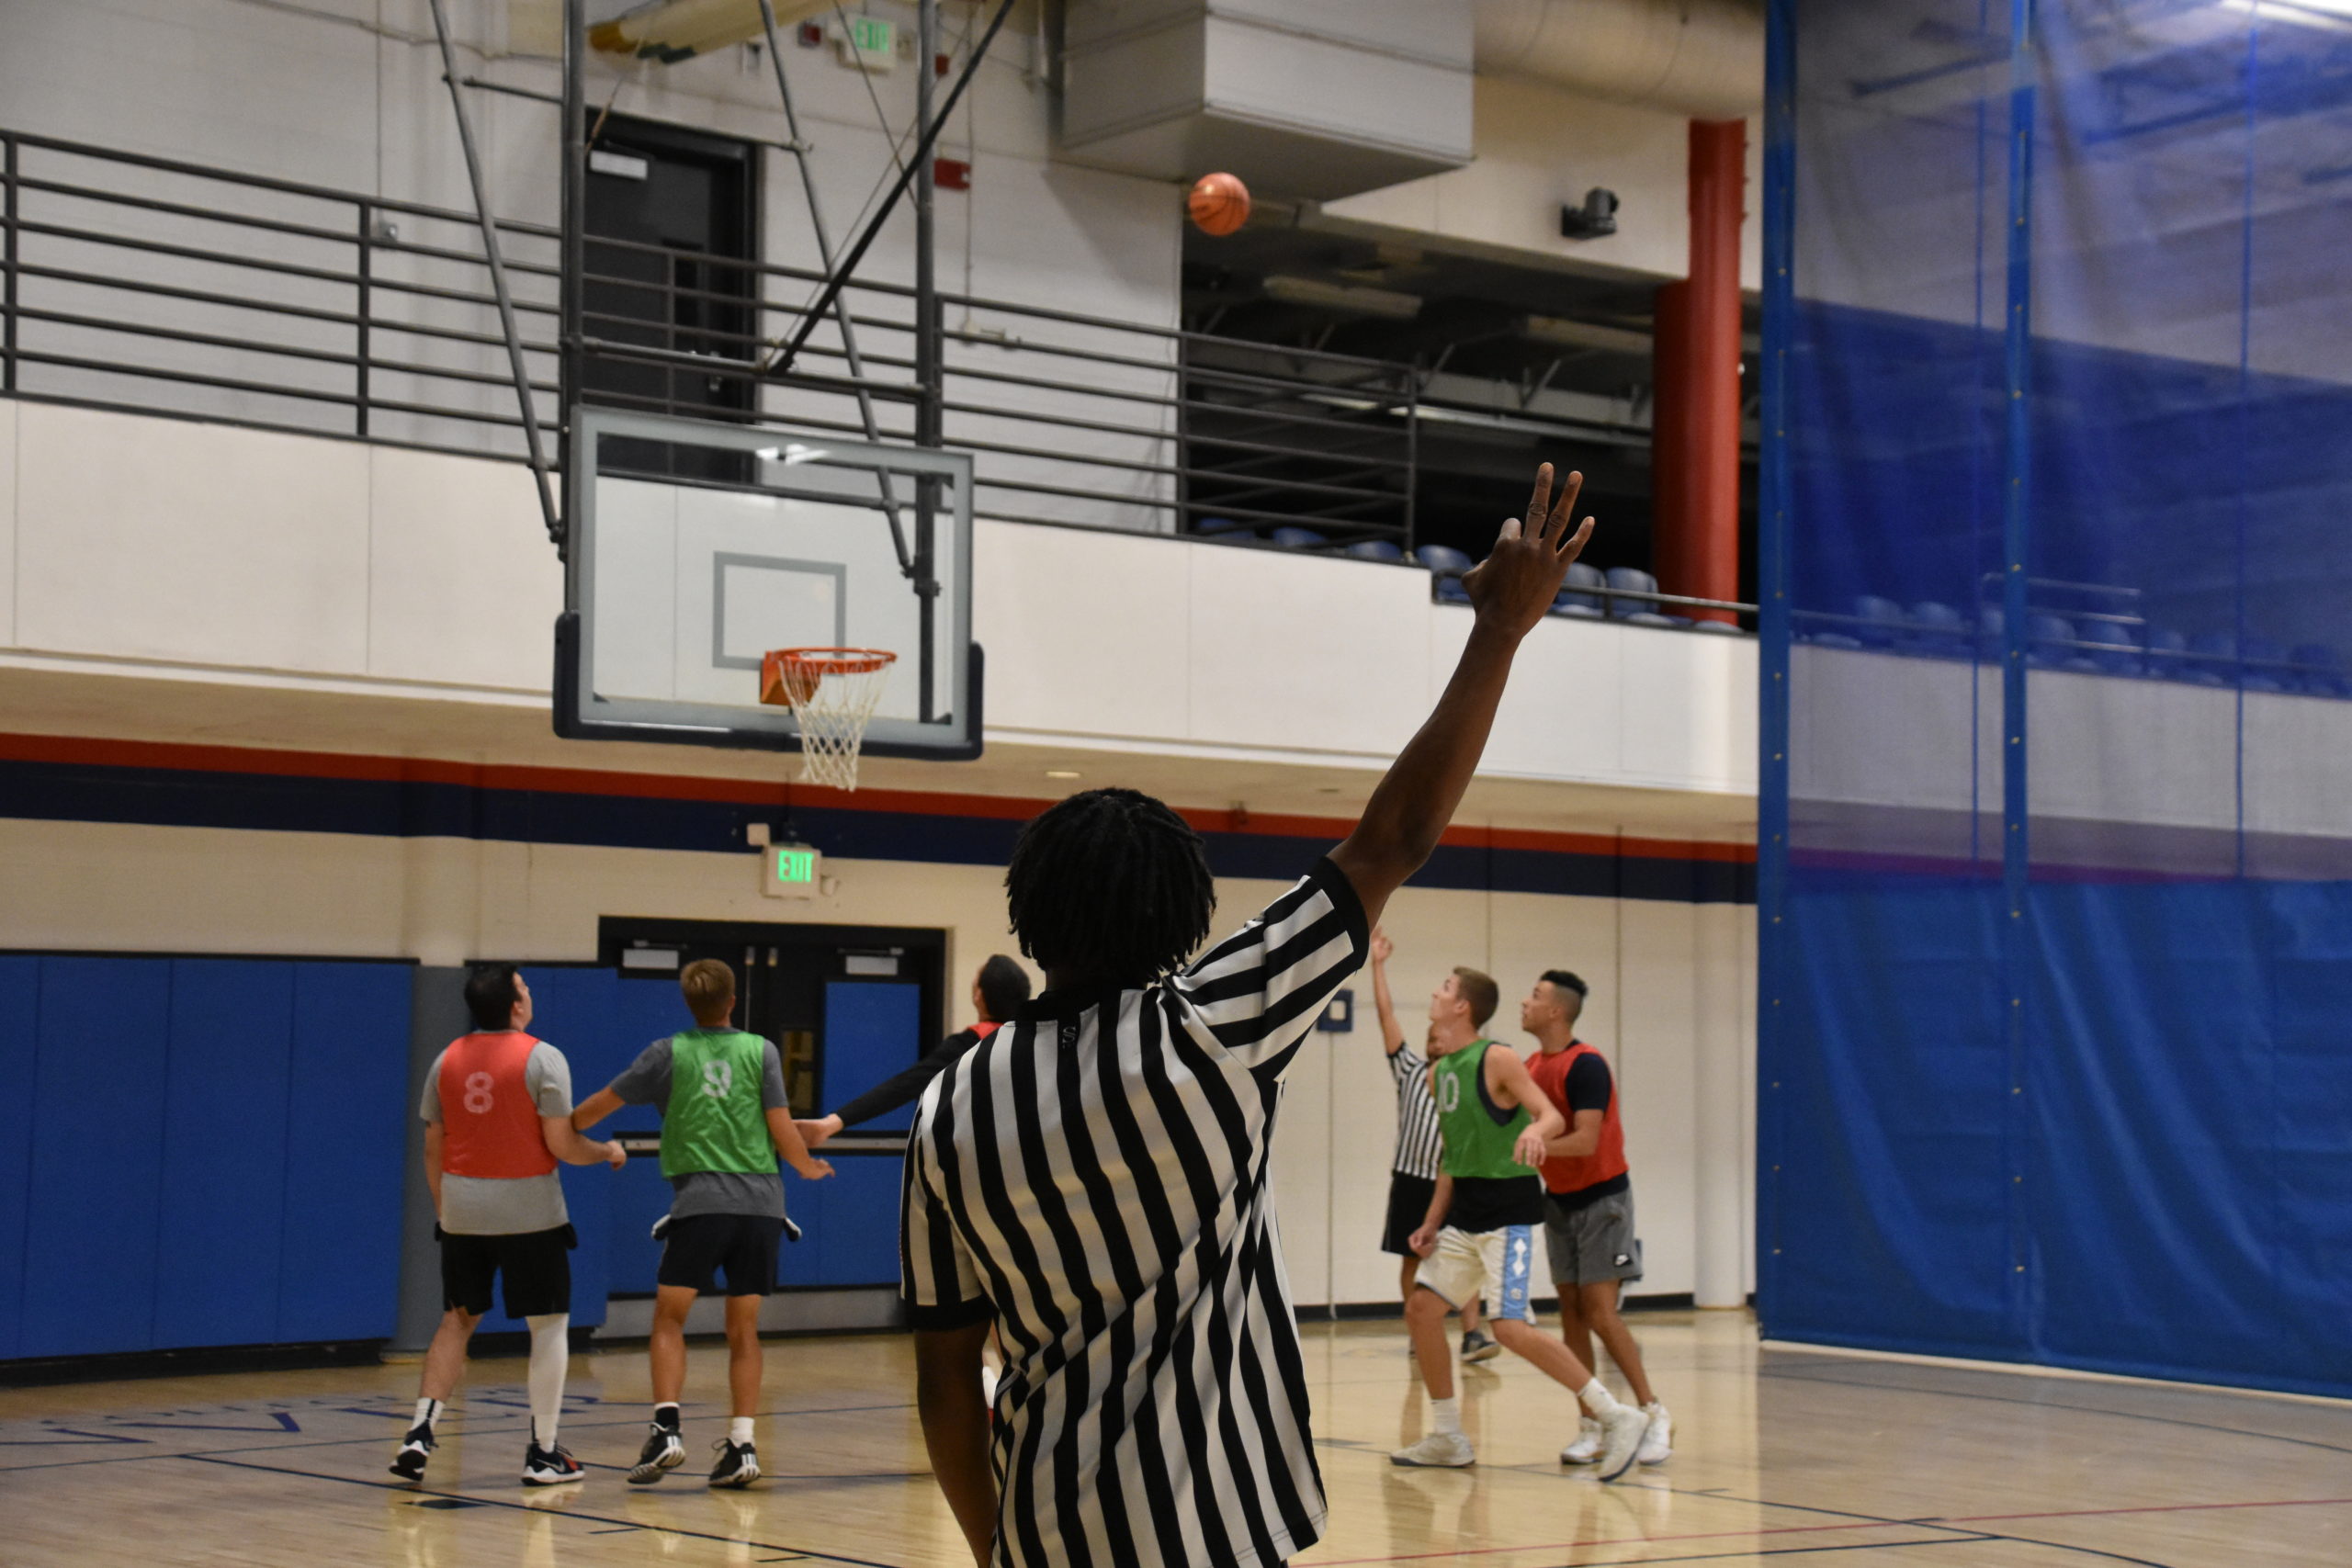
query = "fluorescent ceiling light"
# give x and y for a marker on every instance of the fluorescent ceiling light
(1559, 332)
(2334, 16)
(1351, 299)
(792, 452)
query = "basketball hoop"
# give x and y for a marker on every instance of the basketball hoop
(831, 693)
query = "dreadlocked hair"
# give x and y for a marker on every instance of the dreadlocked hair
(1111, 883)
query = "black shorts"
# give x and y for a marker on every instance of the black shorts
(537, 1266)
(699, 1245)
(1409, 1205)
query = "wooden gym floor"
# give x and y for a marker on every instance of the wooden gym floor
(1784, 1456)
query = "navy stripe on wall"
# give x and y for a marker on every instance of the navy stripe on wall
(86, 792)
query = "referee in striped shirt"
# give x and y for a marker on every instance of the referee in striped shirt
(1092, 1177)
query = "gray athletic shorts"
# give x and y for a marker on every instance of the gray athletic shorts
(1594, 1243)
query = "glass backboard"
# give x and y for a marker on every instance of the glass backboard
(677, 585)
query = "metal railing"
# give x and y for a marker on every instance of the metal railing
(154, 285)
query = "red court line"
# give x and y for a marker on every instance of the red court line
(2149, 1508)
(1642, 1540)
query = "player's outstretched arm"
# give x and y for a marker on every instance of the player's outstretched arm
(565, 1142)
(595, 1108)
(1509, 591)
(1392, 1033)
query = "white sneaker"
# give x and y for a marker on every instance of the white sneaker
(1657, 1443)
(1448, 1450)
(1621, 1440)
(1587, 1448)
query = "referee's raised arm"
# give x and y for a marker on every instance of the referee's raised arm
(1510, 593)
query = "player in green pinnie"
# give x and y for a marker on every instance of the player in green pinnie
(725, 1120)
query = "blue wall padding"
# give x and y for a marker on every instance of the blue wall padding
(219, 1265)
(873, 1032)
(98, 1170)
(850, 1224)
(200, 1152)
(345, 1165)
(19, 1027)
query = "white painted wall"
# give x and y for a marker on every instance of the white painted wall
(173, 544)
(1538, 147)
(357, 106)
(1881, 729)
(1663, 974)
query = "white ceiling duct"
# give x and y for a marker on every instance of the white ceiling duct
(1700, 58)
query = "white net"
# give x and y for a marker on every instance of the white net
(832, 692)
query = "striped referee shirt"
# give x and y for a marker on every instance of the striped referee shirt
(1093, 1175)
(1416, 1140)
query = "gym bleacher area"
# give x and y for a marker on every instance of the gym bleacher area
(149, 284)
(2084, 629)
(1621, 594)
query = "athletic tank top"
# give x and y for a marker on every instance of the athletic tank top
(490, 1124)
(1563, 1174)
(714, 1119)
(1478, 1132)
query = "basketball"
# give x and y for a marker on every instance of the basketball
(1219, 204)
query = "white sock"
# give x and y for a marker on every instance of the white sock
(738, 1429)
(1445, 1416)
(1597, 1399)
(551, 1359)
(428, 1411)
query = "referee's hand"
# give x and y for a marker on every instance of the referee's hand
(1515, 585)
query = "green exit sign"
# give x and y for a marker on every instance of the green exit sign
(868, 43)
(794, 870)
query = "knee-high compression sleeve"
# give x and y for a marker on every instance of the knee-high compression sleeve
(550, 1357)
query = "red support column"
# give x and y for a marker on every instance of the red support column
(1695, 433)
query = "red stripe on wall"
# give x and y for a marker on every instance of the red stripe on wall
(108, 753)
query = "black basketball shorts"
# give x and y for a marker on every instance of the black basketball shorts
(697, 1246)
(537, 1266)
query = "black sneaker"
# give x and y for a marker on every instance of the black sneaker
(549, 1467)
(409, 1464)
(739, 1464)
(1476, 1347)
(662, 1452)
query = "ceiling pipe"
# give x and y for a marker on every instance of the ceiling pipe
(1704, 59)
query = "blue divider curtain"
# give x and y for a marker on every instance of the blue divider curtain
(2055, 871)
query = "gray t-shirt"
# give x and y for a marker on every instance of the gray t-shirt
(491, 1205)
(647, 1082)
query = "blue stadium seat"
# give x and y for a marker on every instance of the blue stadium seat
(2047, 637)
(2320, 670)
(2213, 660)
(1637, 612)
(2265, 670)
(1447, 565)
(1582, 596)
(1884, 617)
(1375, 549)
(2125, 659)
(1938, 630)
(1291, 537)
(1717, 629)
